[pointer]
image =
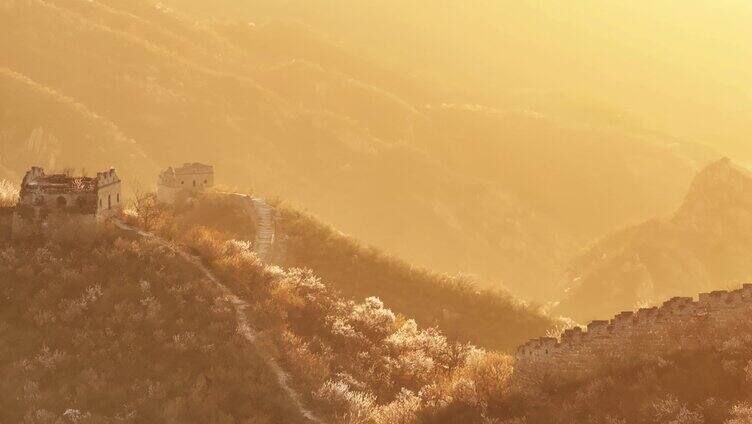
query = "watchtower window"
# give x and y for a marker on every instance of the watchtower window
(118, 198)
(109, 201)
(61, 202)
(100, 202)
(194, 183)
(206, 181)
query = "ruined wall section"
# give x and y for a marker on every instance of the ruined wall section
(46, 198)
(648, 332)
(42, 195)
(109, 194)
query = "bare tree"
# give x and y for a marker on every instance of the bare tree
(144, 203)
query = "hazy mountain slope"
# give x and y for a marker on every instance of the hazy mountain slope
(291, 112)
(185, 94)
(564, 168)
(43, 127)
(538, 158)
(705, 245)
(640, 58)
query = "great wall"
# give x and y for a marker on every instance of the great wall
(680, 323)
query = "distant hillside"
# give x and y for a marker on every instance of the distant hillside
(43, 127)
(375, 150)
(632, 63)
(456, 305)
(705, 245)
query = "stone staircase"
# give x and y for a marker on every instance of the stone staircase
(265, 228)
(265, 224)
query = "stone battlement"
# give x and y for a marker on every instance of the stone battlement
(719, 306)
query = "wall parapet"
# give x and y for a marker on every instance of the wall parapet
(719, 305)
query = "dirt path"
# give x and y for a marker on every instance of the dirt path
(244, 327)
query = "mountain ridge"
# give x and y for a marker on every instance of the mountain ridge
(704, 245)
(286, 110)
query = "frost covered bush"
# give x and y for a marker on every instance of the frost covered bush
(8, 194)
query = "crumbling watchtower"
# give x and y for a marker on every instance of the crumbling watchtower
(43, 196)
(191, 177)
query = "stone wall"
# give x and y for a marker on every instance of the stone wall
(195, 176)
(166, 193)
(650, 331)
(109, 194)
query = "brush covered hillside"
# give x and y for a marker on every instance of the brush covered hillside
(98, 327)
(705, 245)
(454, 304)
(349, 361)
(286, 107)
(359, 362)
(107, 326)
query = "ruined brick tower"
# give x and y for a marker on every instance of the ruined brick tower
(43, 196)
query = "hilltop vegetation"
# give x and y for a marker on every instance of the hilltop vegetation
(100, 327)
(705, 245)
(353, 361)
(284, 107)
(456, 305)
(365, 364)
